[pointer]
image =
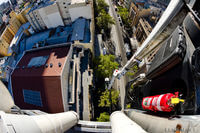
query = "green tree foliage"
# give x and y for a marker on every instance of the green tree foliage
(102, 5)
(105, 98)
(104, 117)
(104, 21)
(124, 14)
(128, 106)
(132, 71)
(106, 65)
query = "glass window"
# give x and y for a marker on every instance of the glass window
(38, 61)
(32, 97)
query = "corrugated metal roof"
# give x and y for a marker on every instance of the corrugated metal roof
(86, 38)
(60, 39)
(78, 29)
(36, 38)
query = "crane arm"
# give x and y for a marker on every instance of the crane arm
(171, 18)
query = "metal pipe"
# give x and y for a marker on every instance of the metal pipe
(48, 123)
(120, 123)
(158, 124)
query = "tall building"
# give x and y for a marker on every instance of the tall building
(64, 10)
(7, 35)
(51, 14)
(142, 31)
(40, 79)
(45, 15)
(5, 39)
(163, 2)
(14, 24)
(21, 16)
(136, 13)
(54, 79)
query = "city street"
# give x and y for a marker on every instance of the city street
(117, 37)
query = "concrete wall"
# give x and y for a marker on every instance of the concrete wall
(36, 20)
(64, 10)
(82, 11)
(65, 79)
(51, 16)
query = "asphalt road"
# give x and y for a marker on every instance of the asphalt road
(117, 33)
(117, 37)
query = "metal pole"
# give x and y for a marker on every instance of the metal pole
(110, 101)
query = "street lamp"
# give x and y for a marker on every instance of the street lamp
(107, 81)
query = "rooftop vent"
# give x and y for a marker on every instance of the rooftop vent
(51, 65)
(59, 64)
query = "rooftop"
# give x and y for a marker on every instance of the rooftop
(79, 30)
(48, 61)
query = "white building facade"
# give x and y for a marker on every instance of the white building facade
(80, 10)
(58, 13)
(64, 10)
(51, 16)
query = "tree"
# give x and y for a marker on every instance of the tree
(104, 21)
(132, 71)
(123, 12)
(102, 5)
(107, 65)
(104, 117)
(105, 98)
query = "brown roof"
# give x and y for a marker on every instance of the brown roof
(56, 56)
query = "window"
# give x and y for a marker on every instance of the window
(38, 61)
(32, 97)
